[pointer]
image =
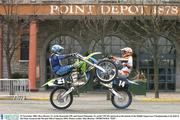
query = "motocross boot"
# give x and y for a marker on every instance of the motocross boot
(78, 79)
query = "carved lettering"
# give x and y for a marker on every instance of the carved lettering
(54, 9)
(113, 10)
(123, 9)
(71, 11)
(79, 9)
(90, 9)
(174, 10)
(160, 10)
(64, 9)
(154, 10)
(167, 9)
(105, 9)
(141, 9)
(133, 10)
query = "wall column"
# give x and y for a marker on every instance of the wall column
(32, 55)
(1, 49)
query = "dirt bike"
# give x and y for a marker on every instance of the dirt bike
(104, 70)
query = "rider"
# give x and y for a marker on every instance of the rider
(127, 63)
(59, 69)
(55, 60)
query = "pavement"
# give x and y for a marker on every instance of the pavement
(149, 97)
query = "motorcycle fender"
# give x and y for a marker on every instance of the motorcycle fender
(49, 83)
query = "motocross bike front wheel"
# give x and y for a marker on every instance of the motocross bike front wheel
(56, 98)
(124, 101)
(111, 71)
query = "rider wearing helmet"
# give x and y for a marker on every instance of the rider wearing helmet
(126, 61)
(128, 64)
(55, 60)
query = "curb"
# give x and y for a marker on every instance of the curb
(39, 99)
(136, 99)
(158, 100)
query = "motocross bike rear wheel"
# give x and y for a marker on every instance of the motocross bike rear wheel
(124, 101)
(111, 71)
(56, 98)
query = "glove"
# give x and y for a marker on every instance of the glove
(123, 64)
(73, 54)
(113, 58)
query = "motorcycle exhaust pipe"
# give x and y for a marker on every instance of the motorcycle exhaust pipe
(67, 92)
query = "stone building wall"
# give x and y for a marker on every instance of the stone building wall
(17, 66)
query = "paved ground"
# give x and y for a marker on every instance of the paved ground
(149, 97)
(87, 107)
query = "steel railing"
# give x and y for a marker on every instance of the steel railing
(17, 88)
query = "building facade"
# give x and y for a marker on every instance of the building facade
(72, 23)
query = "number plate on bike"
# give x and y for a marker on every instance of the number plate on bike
(120, 83)
(60, 81)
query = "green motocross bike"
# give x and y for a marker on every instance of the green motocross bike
(88, 69)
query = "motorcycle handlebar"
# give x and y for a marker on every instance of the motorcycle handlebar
(78, 55)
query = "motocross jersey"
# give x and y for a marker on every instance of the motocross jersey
(56, 66)
(127, 66)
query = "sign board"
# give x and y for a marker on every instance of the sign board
(91, 9)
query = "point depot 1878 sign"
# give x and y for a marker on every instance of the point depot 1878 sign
(93, 9)
(113, 10)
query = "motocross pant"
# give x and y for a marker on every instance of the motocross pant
(64, 70)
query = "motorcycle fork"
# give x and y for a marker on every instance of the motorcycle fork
(68, 92)
(115, 93)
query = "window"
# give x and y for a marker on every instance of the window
(166, 66)
(110, 45)
(24, 52)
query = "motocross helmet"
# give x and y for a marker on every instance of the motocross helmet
(126, 52)
(56, 49)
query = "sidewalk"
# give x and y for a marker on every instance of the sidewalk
(164, 96)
